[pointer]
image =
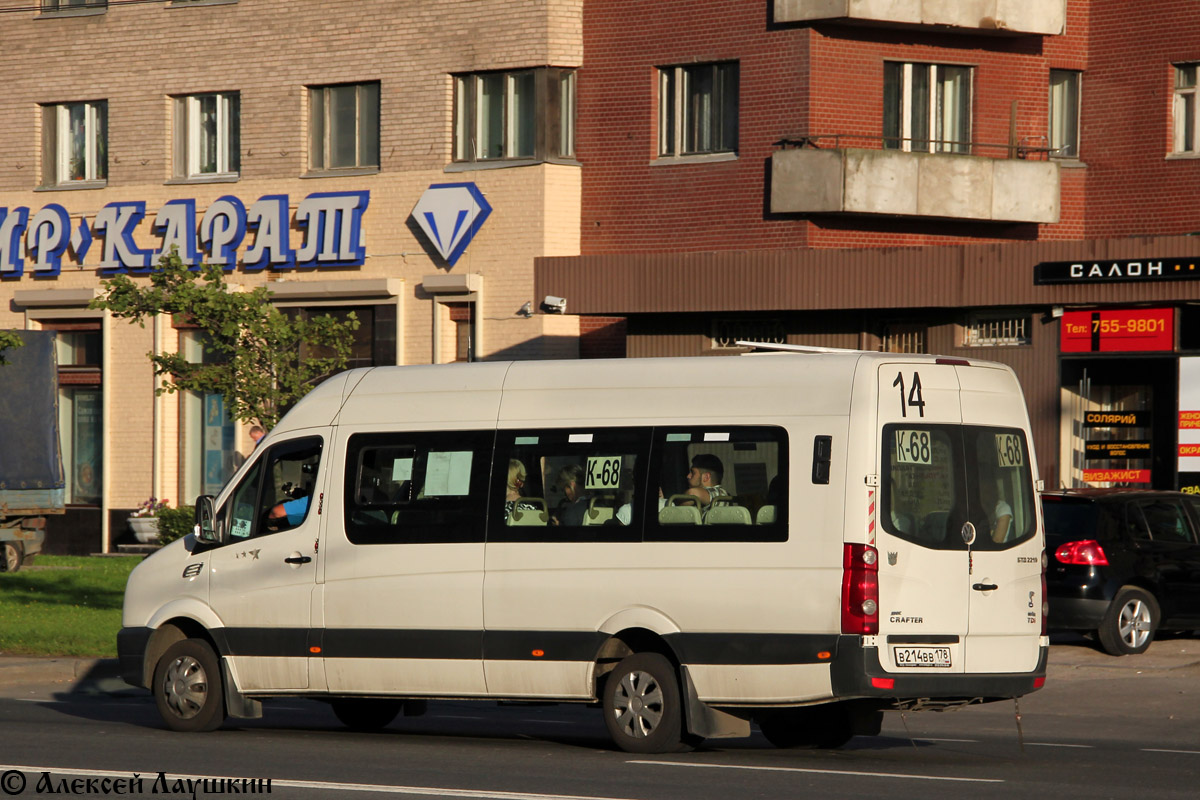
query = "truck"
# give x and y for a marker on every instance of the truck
(31, 471)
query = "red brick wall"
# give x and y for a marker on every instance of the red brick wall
(822, 79)
(602, 337)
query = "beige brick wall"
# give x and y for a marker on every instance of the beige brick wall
(137, 56)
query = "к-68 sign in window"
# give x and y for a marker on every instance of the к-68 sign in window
(1118, 330)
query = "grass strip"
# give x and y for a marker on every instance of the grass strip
(64, 606)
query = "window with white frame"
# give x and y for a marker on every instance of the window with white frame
(997, 330)
(343, 126)
(698, 109)
(49, 6)
(74, 143)
(926, 107)
(1064, 113)
(207, 135)
(1185, 109)
(518, 114)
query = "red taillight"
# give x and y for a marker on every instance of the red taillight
(1086, 552)
(860, 589)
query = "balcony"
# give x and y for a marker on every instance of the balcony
(814, 180)
(1038, 17)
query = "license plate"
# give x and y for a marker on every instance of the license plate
(921, 656)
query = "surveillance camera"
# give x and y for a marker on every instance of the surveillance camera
(554, 305)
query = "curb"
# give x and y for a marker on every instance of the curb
(80, 674)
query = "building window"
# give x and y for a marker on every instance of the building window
(75, 143)
(1064, 113)
(207, 135)
(726, 333)
(525, 114)
(80, 353)
(374, 342)
(343, 126)
(1185, 108)
(997, 331)
(698, 109)
(903, 338)
(49, 6)
(208, 454)
(926, 108)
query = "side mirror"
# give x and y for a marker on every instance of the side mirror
(206, 528)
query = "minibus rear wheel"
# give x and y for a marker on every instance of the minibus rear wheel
(643, 708)
(187, 687)
(365, 713)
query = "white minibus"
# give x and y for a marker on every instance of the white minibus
(798, 540)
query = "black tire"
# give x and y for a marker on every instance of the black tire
(188, 689)
(825, 726)
(1129, 624)
(14, 556)
(643, 708)
(365, 713)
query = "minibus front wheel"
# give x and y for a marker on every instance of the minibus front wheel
(187, 687)
(643, 707)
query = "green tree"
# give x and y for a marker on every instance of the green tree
(8, 341)
(253, 348)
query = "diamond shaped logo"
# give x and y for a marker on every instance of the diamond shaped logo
(451, 214)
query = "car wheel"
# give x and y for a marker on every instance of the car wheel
(14, 555)
(643, 708)
(1128, 626)
(187, 687)
(365, 714)
(826, 726)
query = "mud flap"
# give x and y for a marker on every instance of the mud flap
(236, 703)
(708, 722)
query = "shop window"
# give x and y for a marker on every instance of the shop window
(926, 108)
(343, 126)
(520, 114)
(207, 135)
(80, 352)
(74, 143)
(997, 331)
(208, 454)
(698, 109)
(1184, 111)
(1064, 113)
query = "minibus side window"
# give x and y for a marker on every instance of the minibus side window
(719, 483)
(923, 500)
(276, 493)
(1003, 504)
(579, 484)
(407, 488)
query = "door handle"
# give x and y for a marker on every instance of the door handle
(297, 560)
(984, 587)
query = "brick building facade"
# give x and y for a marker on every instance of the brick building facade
(896, 174)
(326, 124)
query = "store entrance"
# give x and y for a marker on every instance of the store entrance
(1118, 422)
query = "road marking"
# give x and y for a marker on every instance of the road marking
(930, 739)
(149, 776)
(823, 771)
(1056, 744)
(1181, 752)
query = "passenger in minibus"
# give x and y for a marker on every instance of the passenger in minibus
(1002, 513)
(570, 483)
(704, 479)
(516, 490)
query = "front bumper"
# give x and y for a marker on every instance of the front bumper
(857, 673)
(131, 654)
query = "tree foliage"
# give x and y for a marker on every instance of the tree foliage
(8, 341)
(252, 349)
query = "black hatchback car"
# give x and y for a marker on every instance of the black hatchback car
(1123, 564)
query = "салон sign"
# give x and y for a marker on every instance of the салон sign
(330, 224)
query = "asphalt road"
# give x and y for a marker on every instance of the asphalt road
(1103, 727)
